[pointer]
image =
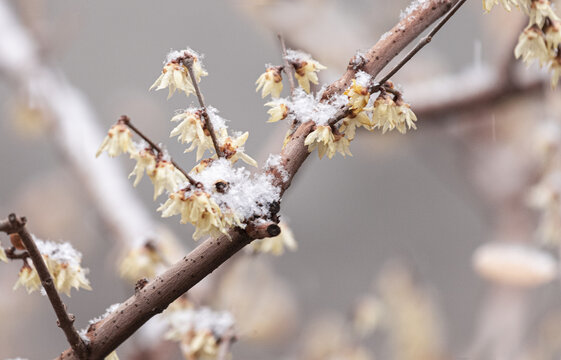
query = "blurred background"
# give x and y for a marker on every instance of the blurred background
(398, 221)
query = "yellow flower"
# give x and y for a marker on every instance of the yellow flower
(202, 345)
(351, 123)
(234, 151)
(541, 10)
(488, 4)
(305, 68)
(175, 75)
(112, 356)
(276, 245)
(531, 46)
(278, 110)
(145, 162)
(326, 142)
(390, 115)
(270, 81)
(165, 177)
(191, 130)
(141, 262)
(3, 256)
(201, 210)
(28, 278)
(117, 141)
(553, 35)
(358, 96)
(67, 276)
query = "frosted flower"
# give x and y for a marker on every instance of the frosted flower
(141, 262)
(145, 163)
(3, 256)
(405, 117)
(63, 263)
(198, 208)
(270, 81)
(326, 142)
(233, 149)
(276, 245)
(514, 264)
(541, 10)
(553, 35)
(278, 110)
(175, 75)
(389, 114)
(28, 278)
(305, 68)
(531, 46)
(191, 130)
(358, 96)
(165, 177)
(117, 141)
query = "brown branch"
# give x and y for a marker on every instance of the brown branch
(387, 48)
(188, 62)
(422, 43)
(12, 255)
(65, 320)
(288, 69)
(127, 121)
(209, 255)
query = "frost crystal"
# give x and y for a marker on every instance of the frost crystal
(415, 5)
(274, 162)
(111, 309)
(305, 107)
(203, 319)
(247, 195)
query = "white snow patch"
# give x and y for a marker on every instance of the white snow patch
(202, 319)
(306, 107)
(274, 162)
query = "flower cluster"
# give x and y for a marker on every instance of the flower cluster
(327, 142)
(199, 331)
(541, 39)
(175, 74)
(63, 263)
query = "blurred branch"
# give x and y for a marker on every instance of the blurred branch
(209, 255)
(65, 320)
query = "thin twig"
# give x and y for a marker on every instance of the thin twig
(12, 255)
(288, 69)
(127, 121)
(188, 62)
(65, 320)
(422, 43)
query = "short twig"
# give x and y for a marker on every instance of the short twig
(127, 121)
(288, 69)
(65, 320)
(188, 62)
(422, 43)
(12, 255)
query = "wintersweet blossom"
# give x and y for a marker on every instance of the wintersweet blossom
(175, 75)
(358, 96)
(191, 130)
(507, 4)
(326, 142)
(165, 177)
(305, 68)
(117, 141)
(389, 114)
(233, 149)
(276, 245)
(3, 256)
(112, 356)
(555, 70)
(28, 278)
(540, 10)
(270, 81)
(352, 122)
(141, 262)
(553, 35)
(198, 208)
(63, 263)
(278, 110)
(531, 46)
(145, 163)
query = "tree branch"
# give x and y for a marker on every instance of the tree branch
(288, 69)
(189, 64)
(65, 320)
(164, 289)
